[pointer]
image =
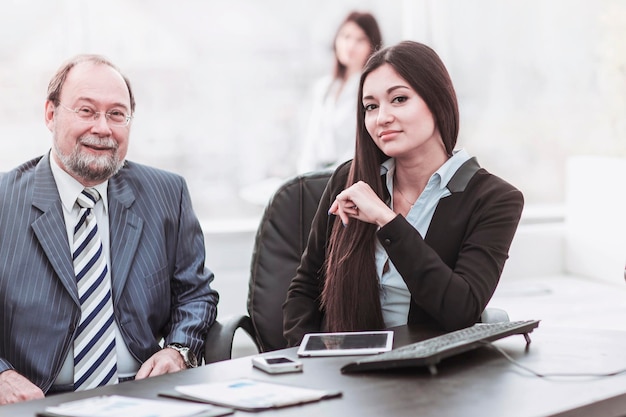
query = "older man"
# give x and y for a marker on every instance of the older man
(101, 258)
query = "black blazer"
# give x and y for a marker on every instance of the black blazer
(451, 274)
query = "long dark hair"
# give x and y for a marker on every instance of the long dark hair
(367, 22)
(351, 296)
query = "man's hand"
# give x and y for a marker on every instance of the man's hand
(15, 388)
(165, 361)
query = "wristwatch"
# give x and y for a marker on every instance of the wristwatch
(188, 356)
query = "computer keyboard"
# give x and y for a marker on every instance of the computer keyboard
(429, 352)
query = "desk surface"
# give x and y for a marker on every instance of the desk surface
(478, 383)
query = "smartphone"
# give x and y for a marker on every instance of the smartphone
(276, 364)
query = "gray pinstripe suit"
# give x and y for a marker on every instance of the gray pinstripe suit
(159, 282)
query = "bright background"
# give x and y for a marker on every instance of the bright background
(222, 86)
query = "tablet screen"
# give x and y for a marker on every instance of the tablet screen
(346, 343)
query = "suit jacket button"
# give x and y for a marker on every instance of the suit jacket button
(387, 242)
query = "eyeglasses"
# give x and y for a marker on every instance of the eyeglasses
(86, 114)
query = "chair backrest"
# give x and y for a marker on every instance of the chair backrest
(279, 243)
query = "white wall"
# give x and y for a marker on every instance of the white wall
(596, 218)
(222, 86)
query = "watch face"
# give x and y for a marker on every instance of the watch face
(192, 361)
(188, 356)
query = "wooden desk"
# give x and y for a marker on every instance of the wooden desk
(477, 383)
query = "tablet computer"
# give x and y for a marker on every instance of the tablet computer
(346, 343)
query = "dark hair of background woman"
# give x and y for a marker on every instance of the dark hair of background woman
(367, 22)
(351, 296)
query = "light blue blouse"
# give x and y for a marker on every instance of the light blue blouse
(394, 294)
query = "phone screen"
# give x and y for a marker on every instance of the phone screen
(275, 361)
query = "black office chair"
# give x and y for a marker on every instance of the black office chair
(279, 243)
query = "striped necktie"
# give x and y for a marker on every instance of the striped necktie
(95, 358)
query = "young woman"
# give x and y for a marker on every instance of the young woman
(412, 230)
(329, 137)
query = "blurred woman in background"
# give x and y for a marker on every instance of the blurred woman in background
(331, 128)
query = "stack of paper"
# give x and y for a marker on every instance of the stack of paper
(116, 405)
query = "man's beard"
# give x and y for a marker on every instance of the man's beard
(92, 168)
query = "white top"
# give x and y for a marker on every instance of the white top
(331, 130)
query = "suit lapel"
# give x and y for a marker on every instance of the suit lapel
(125, 230)
(450, 213)
(463, 175)
(50, 226)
